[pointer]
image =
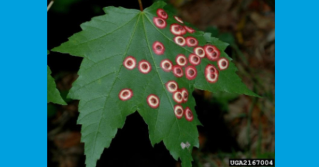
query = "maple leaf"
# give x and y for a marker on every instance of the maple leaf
(53, 93)
(149, 62)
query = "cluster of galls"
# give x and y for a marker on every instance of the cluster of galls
(152, 100)
(179, 96)
(144, 67)
(211, 52)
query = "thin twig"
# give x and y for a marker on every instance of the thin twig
(141, 6)
(50, 4)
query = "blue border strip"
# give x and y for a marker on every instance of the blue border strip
(297, 113)
(23, 50)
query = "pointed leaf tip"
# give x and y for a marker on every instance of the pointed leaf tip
(53, 94)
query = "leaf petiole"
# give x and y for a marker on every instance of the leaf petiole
(141, 6)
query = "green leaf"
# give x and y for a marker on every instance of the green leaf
(53, 93)
(104, 43)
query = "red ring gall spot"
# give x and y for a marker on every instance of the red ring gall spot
(125, 94)
(153, 101)
(159, 22)
(177, 96)
(158, 48)
(129, 62)
(209, 48)
(178, 110)
(144, 66)
(181, 60)
(178, 71)
(223, 63)
(188, 114)
(190, 72)
(172, 86)
(179, 40)
(194, 59)
(161, 13)
(184, 94)
(191, 41)
(199, 51)
(166, 65)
